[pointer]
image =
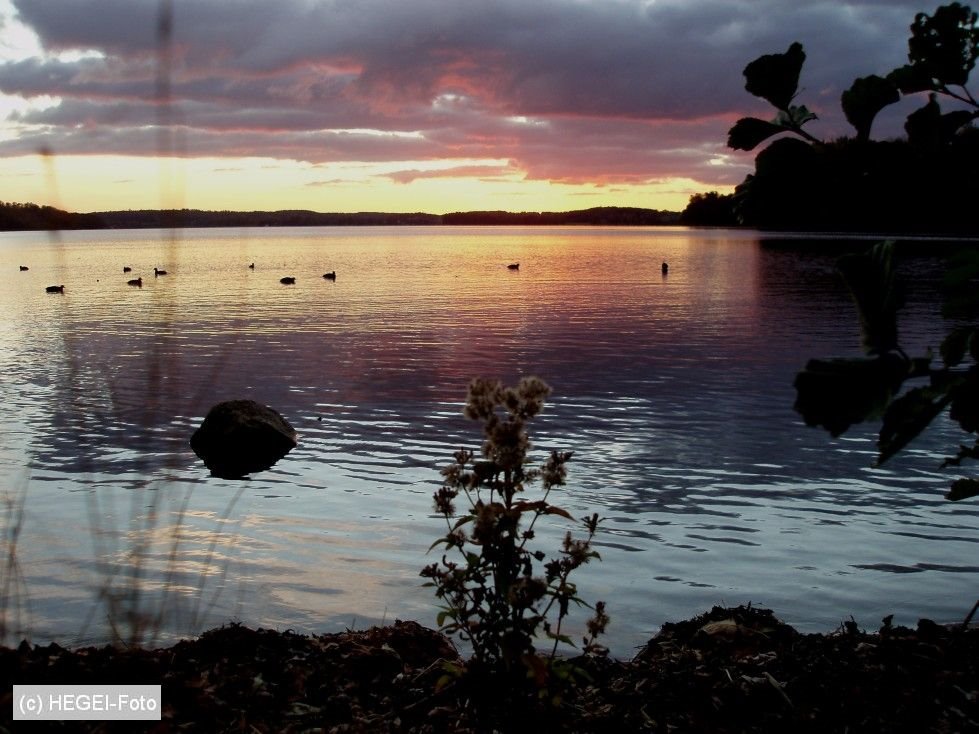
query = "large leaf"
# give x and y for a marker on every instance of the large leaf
(837, 393)
(907, 417)
(775, 77)
(952, 122)
(912, 79)
(924, 125)
(965, 401)
(872, 283)
(927, 127)
(961, 287)
(945, 46)
(956, 344)
(864, 99)
(748, 132)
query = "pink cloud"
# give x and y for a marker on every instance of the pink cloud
(482, 172)
(605, 93)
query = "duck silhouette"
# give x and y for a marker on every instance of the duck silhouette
(138, 282)
(288, 280)
(252, 266)
(126, 269)
(332, 275)
(513, 266)
(157, 272)
(55, 289)
(23, 268)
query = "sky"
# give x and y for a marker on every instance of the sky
(409, 105)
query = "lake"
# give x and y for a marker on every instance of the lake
(674, 391)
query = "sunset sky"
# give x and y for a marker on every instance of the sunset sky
(409, 105)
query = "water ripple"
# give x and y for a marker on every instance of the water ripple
(674, 395)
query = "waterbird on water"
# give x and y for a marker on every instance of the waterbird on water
(332, 275)
(138, 282)
(288, 280)
(24, 267)
(513, 266)
(666, 268)
(126, 269)
(252, 266)
(55, 289)
(156, 271)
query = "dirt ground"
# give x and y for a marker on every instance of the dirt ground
(729, 670)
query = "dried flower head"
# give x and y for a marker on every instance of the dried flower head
(533, 391)
(443, 501)
(483, 398)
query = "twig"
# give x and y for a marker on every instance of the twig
(970, 615)
(778, 687)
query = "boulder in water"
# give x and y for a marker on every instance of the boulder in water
(240, 437)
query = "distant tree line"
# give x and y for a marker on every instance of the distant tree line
(32, 216)
(603, 215)
(16, 217)
(193, 218)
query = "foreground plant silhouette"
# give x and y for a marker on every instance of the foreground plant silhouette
(500, 595)
(906, 394)
(923, 183)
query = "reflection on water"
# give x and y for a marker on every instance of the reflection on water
(673, 390)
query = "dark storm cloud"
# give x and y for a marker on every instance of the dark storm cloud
(569, 90)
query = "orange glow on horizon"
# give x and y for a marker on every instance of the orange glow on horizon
(107, 183)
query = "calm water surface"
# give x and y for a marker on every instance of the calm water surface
(675, 393)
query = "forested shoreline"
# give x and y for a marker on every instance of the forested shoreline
(15, 216)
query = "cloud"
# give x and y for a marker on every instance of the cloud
(618, 91)
(481, 172)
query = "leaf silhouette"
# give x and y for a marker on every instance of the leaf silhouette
(775, 77)
(910, 79)
(907, 417)
(837, 393)
(955, 345)
(872, 283)
(945, 46)
(864, 99)
(748, 132)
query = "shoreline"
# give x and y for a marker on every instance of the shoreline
(730, 669)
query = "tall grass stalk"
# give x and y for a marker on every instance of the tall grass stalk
(14, 599)
(128, 572)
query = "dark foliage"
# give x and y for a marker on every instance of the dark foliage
(906, 394)
(925, 184)
(848, 186)
(944, 47)
(709, 210)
